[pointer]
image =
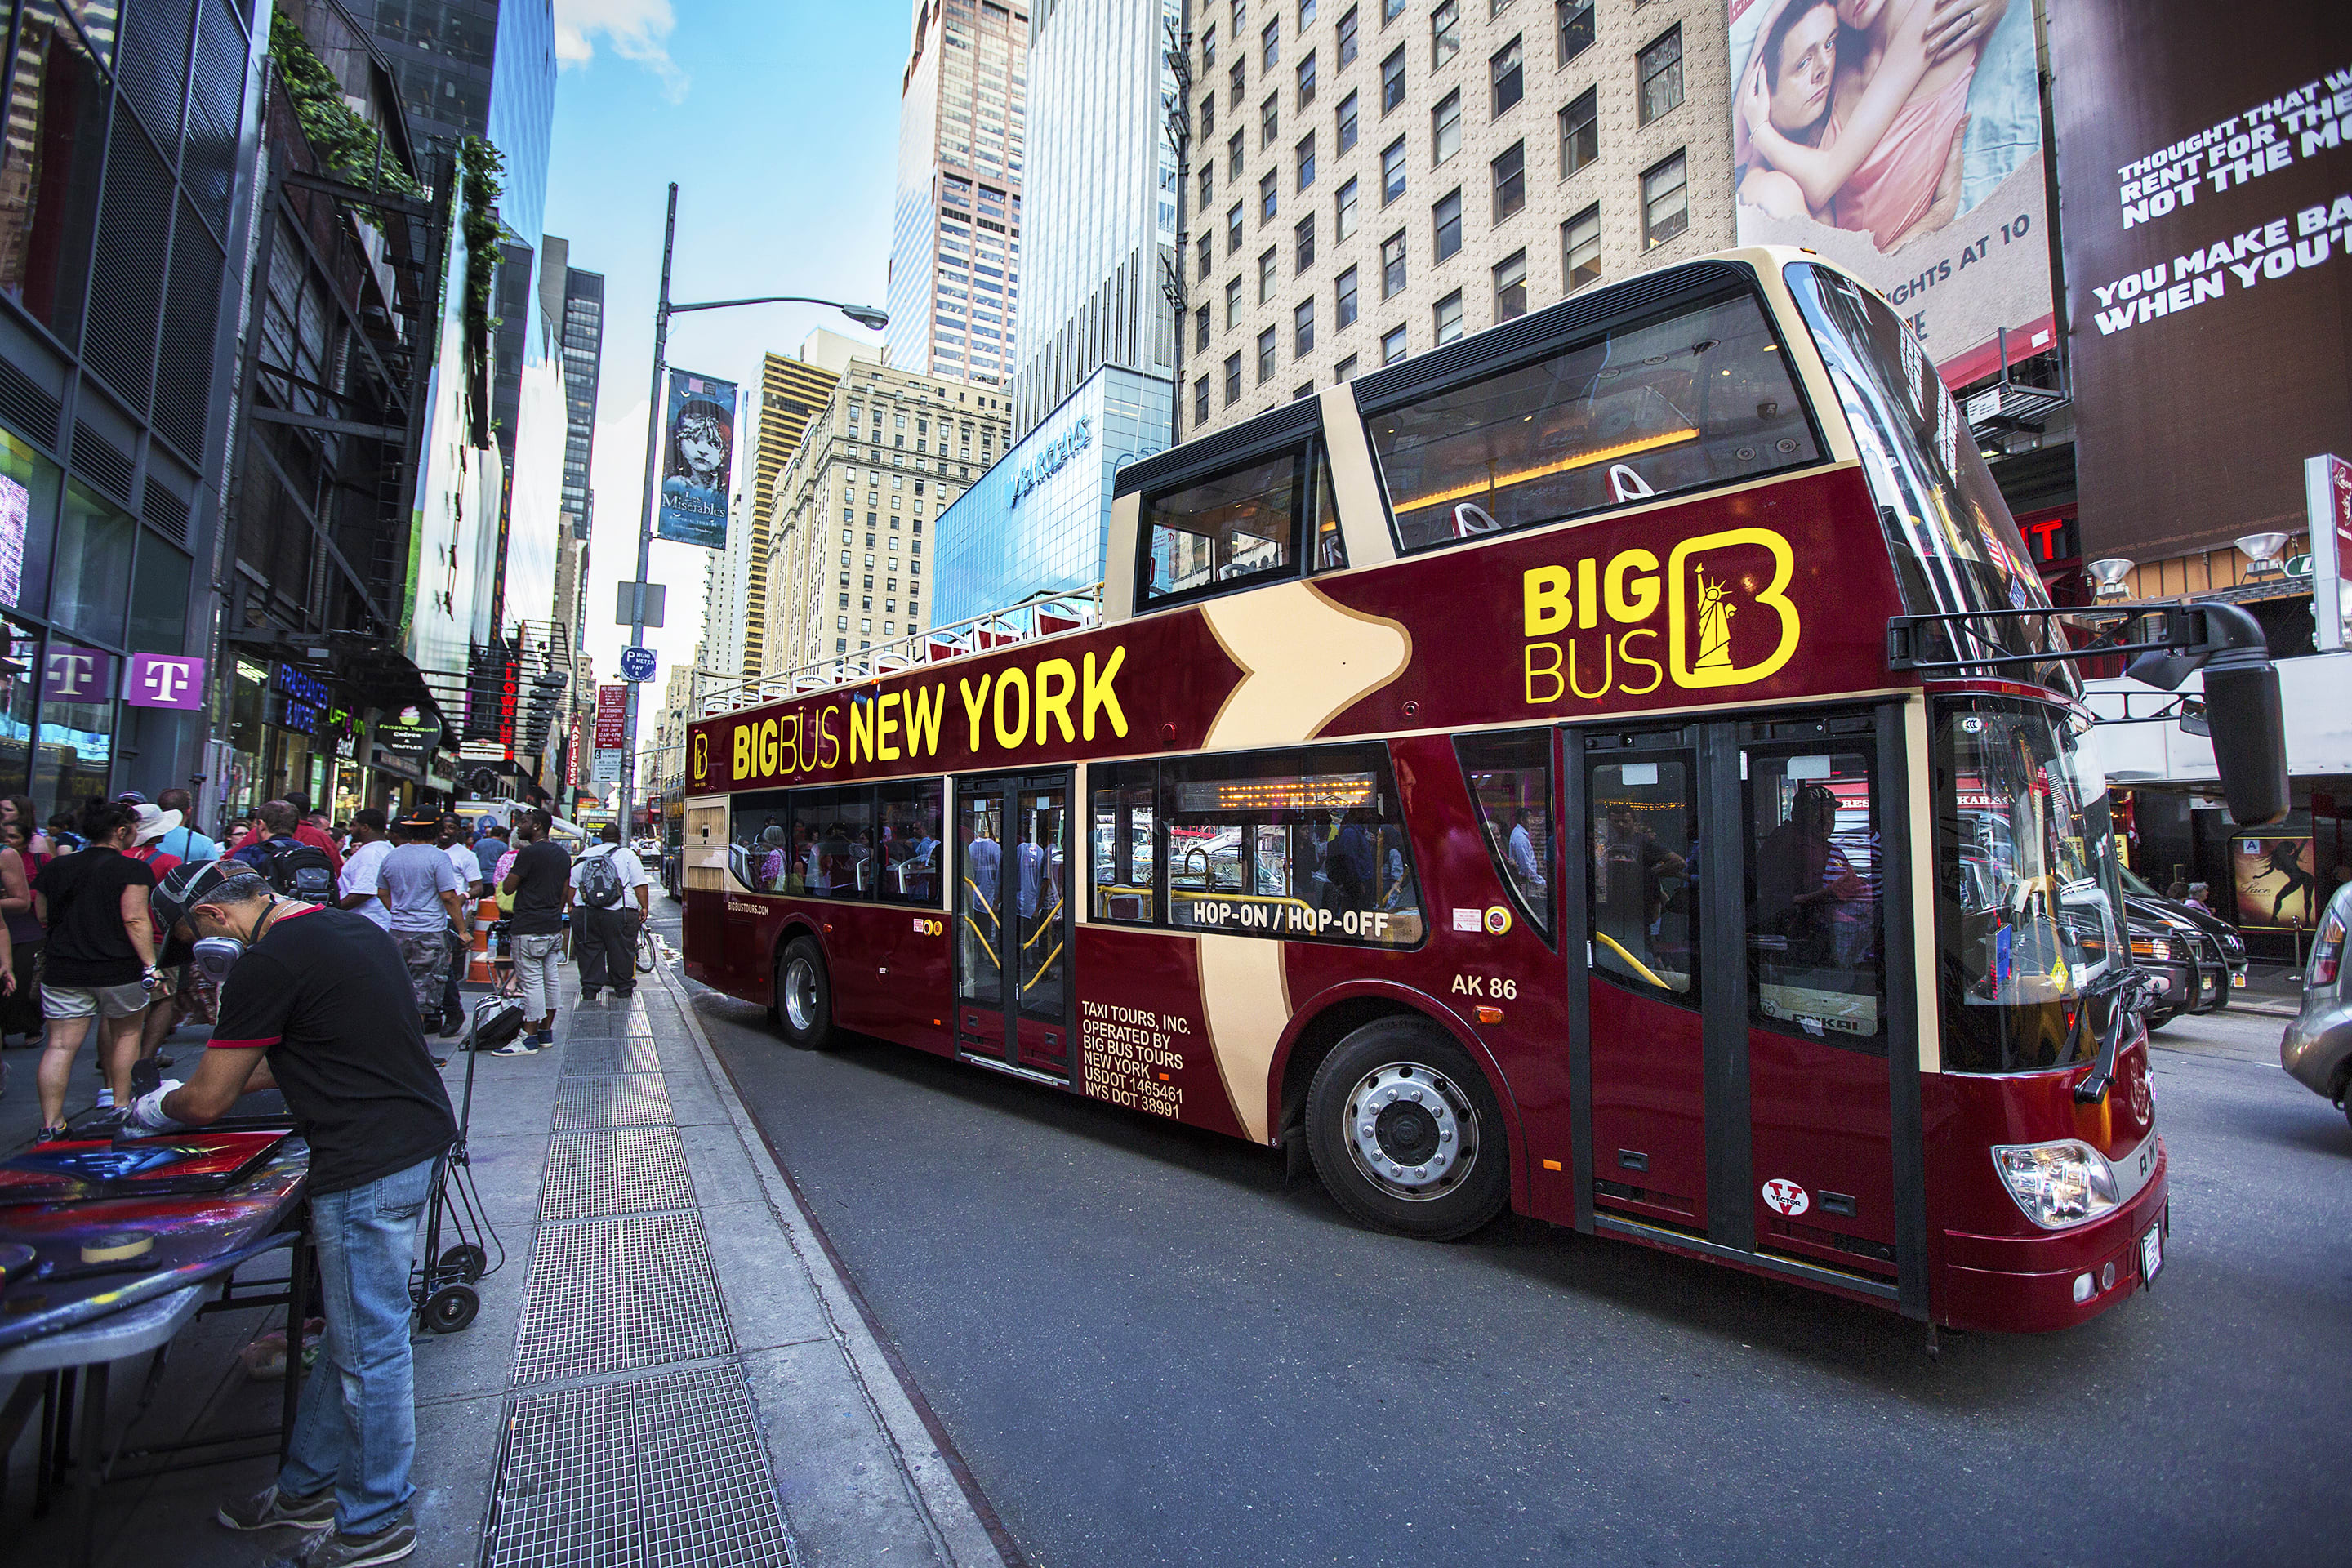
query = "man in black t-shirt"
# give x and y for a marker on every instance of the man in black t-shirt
(536, 882)
(318, 1006)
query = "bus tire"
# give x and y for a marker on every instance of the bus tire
(1405, 1132)
(803, 995)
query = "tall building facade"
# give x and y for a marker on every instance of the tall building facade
(1372, 178)
(1104, 171)
(792, 390)
(574, 302)
(955, 233)
(856, 511)
(125, 197)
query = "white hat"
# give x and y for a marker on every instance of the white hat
(153, 823)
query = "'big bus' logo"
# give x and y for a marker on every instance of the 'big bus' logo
(1593, 631)
(701, 757)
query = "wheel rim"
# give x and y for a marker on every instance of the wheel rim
(800, 994)
(1412, 1132)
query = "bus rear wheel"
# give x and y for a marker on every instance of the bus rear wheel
(803, 995)
(1405, 1132)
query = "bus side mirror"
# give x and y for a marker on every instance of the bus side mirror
(2242, 713)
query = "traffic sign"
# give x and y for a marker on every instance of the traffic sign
(637, 664)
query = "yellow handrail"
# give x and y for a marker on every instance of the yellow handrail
(1640, 968)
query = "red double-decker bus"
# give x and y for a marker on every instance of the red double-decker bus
(1496, 776)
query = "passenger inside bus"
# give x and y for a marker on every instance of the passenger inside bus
(1813, 892)
(1637, 874)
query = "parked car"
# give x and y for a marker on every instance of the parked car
(2225, 937)
(2164, 955)
(2317, 1048)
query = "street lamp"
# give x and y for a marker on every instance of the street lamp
(866, 316)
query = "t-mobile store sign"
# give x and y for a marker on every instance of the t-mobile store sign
(70, 674)
(165, 680)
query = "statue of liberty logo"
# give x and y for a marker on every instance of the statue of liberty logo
(1715, 612)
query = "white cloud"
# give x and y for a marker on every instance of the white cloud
(636, 29)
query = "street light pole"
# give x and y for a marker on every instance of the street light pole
(864, 315)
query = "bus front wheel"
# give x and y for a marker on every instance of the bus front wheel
(803, 995)
(1406, 1133)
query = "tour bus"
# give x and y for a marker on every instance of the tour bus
(1619, 765)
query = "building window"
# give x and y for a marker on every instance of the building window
(1661, 69)
(1233, 379)
(1392, 346)
(1347, 216)
(1575, 28)
(1306, 14)
(1392, 266)
(1302, 328)
(1234, 229)
(1266, 357)
(1306, 79)
(1270, 44)
(1510, 181)
(1200, 329)
(1446, 216)
(1266, 276)
(1391, 10)
(1511, 287)
(1237, 81)
(1347, 122)
(1232, 303)
(1665, 202)
(1510, 80)
(1392, 171)
(1305, 154)
(1208, 117)
(1204, 248)
(1444, 32)
(1200, 401)
(1266, 192)
(1580, 239)
(1393, 80)
(1346, 315)
(1234, 156)
(1445, 127)
(1348, 39)
(1303, 237)
(1269, 120)
(1449, 317)
(1208, 186)
(1580, 132)
(1344, 372)
(1302, 391)
(1209, 49)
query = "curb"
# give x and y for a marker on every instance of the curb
(964, 1529)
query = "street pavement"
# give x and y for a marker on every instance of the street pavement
(1148, 1347)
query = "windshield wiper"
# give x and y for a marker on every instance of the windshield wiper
(2122, 999)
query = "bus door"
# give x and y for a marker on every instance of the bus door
(1012, 920)
(1746, 966)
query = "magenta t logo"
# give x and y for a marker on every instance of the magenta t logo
(165, 680)
(70, 674)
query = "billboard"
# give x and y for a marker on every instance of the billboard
(2207, 158)
(1909, 151)
(698, 460)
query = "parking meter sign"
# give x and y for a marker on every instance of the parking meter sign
(637, 664)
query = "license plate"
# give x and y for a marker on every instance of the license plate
(2151, 1252)
(2237, 982)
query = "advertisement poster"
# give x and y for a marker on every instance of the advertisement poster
(1912, 159)
(698, 460)
(2207, 159)
(2275, 881)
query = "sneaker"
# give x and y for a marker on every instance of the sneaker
(543, 1038)
(588, 993)
(520, 1045)
(454, 1026)
(51, 1134)
(105, 1100)
(336, 1550)
(270, 1508)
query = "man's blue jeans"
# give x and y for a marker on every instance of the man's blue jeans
(356, 1429)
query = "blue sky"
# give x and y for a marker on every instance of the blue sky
(779, 120)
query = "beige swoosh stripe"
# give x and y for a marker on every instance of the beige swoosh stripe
(1247, 1004)
(1306, 659)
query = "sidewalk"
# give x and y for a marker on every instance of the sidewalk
(667, 1368)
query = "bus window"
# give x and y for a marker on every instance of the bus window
(1642, 857)
(911, 841)
(1510, 784)
(759, 851)
(1296, 844)
(1126, 843)
(1237, 528)
(1815, 966)
(1700, 396)
(1323, 520)
(833, 842)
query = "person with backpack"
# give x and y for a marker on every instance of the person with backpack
(425, 901)
(102, 957)
(294, 866)
(186, 841)
(299, 804)
(605, 928)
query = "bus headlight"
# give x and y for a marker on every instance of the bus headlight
(2057, 1184)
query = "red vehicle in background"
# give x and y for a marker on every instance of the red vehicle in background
(1619, 766)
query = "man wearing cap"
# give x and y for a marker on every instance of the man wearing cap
(313, 1006)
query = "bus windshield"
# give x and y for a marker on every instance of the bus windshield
(1955, 546)
(2027, 894)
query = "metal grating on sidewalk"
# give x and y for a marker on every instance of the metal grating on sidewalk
(602, 1057)
(609, 1294)
(656, 1471)
(615, 1169)
(630, 1100)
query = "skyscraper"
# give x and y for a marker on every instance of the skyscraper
(955, 240)
(792, 392)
